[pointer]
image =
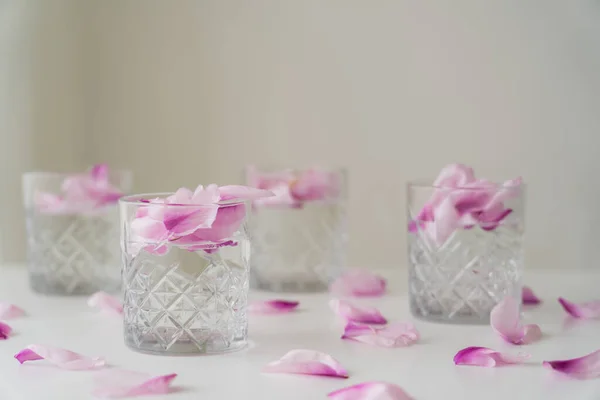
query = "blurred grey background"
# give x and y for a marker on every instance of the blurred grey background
(186, 92)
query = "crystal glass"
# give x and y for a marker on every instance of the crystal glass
(184, 293)
(465, 250)
(72, 239)
(298, 236)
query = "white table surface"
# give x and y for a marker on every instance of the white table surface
(425, 370)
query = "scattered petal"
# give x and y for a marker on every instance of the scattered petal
(115, 384)
(585, 367)
(364, 314)
(272, 307)
(5, 331)
(484, 357)
(104, 302)
(587, 310)
(398, 334)
(528, 297)
(359, 283)
(370, 391)
(505, 320)
(10, 311)
(307, 362)
(61, 358)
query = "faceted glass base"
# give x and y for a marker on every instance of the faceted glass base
(74, 254)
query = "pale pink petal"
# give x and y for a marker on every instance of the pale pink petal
(208, 195)
(446, 221)
(350, 312)
(104, 302)
(587, 310)
(61, 358)
(398, 334)
(282, 198)
(314, 184)
(51, 204)
(454, 175)
(505, 320)
(115, 384)
(148, 229)
(181, 196)
(528, 297)
(228, 220)
(370, 391)
(5, 331)
(484, 357)
(244, 192)
(359, 283)
(99, 173)
(181, 220)
(10, 311)
(307, 362)
(272, 306)
(585, 367)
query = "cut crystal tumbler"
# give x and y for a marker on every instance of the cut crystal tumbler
(73, 231)
(465, 250)
(299, 235)
(186, 290)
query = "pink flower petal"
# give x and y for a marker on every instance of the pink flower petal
(313, 185)
(10, 311)
(148, 229)
(5, 331)
(587, 310)
(454, 175)
(370, 391)
(282, 198)
(208, 195)
(394, 335)
(528, 297)
(228, 220)
(181, 220)
(115, 384)
(61, 358)
(244, 192)
(307, 362)
(505, 320)
(364, 314)
(105, 302)
(484, 357)
(181, 196)
(585, 367)
(359, 283)
(99, 173)
(272, 307)
(446, 221)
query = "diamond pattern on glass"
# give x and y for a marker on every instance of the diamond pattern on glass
(297, 249)
(465, 277)
(187, 302)
(74, 254)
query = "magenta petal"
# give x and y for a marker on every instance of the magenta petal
(10, 311)
(189, 219)
(364, 314)
(105, 302)
(99, 173)
(61, 358)
(587, 310)
(370, 391)
(228, 220)
(528, 297)
(585, 367)
(359, 283)
(115, 384)
(5, 331)
(244, 192)
(394, 335)
(484, 357)
(505, 320)
(272, 307)
(307, 362)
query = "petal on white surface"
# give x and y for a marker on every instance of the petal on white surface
(114, 384)
(351, 312)
(399, 334)
(10, 311)
(104, 302)
(307, 362)
(61, 358)
(370, 391)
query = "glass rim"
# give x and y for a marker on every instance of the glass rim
(137, 199)
(427, 184)
(274, 168)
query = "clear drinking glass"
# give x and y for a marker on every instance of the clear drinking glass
(73, 231)
(299, 235)
(465, 250)
(184, 293)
